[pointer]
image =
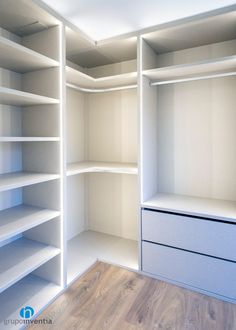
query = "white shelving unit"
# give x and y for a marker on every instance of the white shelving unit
(18, 58)
(173, 137)
(84, 80)
(102, 167)
(19, 219)
(20, 258)
(22, 179)
(31, 212)
(28, 139)
(30, 291)
(196, 70)
(18, 98)
(188, 196)
(102, 153)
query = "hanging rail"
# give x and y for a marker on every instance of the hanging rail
(218, 75)
(100, 90)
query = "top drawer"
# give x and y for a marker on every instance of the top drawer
(193, 234)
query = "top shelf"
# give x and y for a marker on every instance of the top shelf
(83, 80)
(18, 58)
(197, 69)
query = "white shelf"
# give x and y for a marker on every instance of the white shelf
(192, 69)
(81, 79)
(18, 219)
(18, 58)
(22, 179)
(87, 247)
(30, 291)
(15, 97)
(102, 167)
(28, 139)
(203, 207)
(21, 257)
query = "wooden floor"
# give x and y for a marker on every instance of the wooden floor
(109, 297)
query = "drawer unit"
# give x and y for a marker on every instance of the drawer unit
(195, 234)
(206, 273)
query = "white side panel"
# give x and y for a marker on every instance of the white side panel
(75, 121)
(76, 205)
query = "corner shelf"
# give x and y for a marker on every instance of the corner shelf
(21, 257)
(197, 206)
(18, 58)
(18, 219)
(21, 179)
(81, 79)
(28, 139)
(15, 97)
(101, 167)
(89, 246)
(218, 65)
(30, 291)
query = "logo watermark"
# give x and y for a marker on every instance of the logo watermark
(26, 313)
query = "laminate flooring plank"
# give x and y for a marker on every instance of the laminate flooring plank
(108, 297)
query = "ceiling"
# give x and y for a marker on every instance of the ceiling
(102, 19)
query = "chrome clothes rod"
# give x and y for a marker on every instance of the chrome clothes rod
(219, 75)
(101, 90)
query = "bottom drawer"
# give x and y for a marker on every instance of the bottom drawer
(206, 273)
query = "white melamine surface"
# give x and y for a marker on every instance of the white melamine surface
(90, 167)
(15, 97)
(202, 272)
(28, 139)
(205, 207)
(18, 219)
(21, 257)
(21, 179)
(83, 80)
(87, 247)
(217, 65)
(30, 291)
(20, 59)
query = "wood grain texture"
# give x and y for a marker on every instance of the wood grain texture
(110, 297)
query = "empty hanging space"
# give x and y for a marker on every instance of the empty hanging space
(101, 134)
(189, 118)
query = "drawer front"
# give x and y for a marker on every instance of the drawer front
(211, 274)
(208, 237)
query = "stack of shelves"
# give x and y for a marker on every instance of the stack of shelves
(102, 185)
(30, 257)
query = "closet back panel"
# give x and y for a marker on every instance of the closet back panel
(199, 117)
(112, 204)
(112, 126)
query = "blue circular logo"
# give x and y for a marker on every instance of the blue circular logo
(26, 312)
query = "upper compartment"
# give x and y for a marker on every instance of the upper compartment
(94, 67)
(194, 49)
